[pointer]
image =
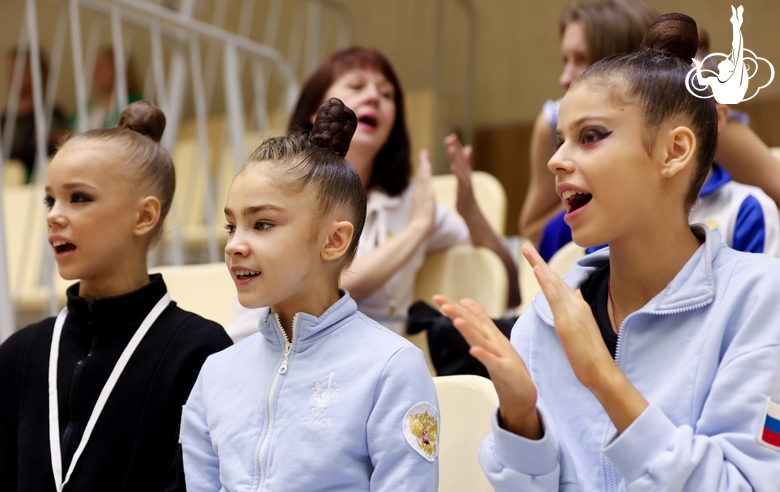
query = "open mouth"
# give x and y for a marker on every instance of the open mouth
(245, 274)
(63, 246)
(368, 120)
(575, 200)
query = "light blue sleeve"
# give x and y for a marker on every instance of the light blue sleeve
(404, 383)
(513, 463)
(723, 452)
(201, 464)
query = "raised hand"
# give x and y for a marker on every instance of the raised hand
(585, 348)
(574, 323)
(516, 390)
(423, 202)
(460, 166)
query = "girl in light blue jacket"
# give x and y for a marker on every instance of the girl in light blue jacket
(322, 398)
(667, 378)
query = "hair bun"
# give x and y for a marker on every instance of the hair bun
(145, 118)
(334, 126)
(674, 35)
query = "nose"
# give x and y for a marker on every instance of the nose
(567, 76)
(560, 163)
(371, 94)
(236, 246)
(55, 217)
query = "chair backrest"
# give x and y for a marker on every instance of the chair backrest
(563, 259)
(561, 262)
(14, 173)
(207, 289)
(529, 287)
(466, 404)
(465, 271)
(488, 192)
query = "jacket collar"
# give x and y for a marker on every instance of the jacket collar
(307, 326)
(108, 315)
(691, 288)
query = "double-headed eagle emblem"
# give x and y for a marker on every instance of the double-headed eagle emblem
(425, 428)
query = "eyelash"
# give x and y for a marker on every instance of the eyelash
(597, 134)
(260, 225)
(74, 198)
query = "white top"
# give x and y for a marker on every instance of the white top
(385, 216)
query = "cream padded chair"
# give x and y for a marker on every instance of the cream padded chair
(561, 263)
(205, 289)
(14, 173)
(466, 404)
(488, 192)
(465, 271)
(457, 272)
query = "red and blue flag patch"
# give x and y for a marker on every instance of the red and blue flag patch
(770, 434)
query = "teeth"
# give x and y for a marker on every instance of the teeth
(243, 273)
(59, 243)
(570, 193)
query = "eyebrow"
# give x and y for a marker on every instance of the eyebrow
(74, 185)
(253, 209)
(580, 121)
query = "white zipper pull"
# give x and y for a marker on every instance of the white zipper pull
(287, 348)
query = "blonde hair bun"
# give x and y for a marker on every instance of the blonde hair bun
(145, 118)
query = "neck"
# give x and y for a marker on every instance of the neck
(362, 161)
(129, 277)
(642, 265)
(313, 301)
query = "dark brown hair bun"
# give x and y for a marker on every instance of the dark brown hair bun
(334, 126)
(145, 118)
(672, 34)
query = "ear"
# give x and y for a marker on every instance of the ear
(147, 216)
(680, 150)
(723, 115)
(338, 240)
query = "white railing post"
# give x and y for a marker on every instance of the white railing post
(78, 66)
(119, 59)
(7, 315)
(199, 95)
(42, 139)
(234, 104)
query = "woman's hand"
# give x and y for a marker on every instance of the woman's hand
(516, 390)
(460, 166)
(584, 346)
(423, 202)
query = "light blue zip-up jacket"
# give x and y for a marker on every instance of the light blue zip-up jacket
(705, 352)
(330, 411)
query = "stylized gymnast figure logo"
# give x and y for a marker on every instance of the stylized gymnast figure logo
(730, 84)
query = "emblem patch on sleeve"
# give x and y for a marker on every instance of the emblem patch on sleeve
(421, 430)
(770, 433)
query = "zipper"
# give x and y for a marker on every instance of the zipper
(610, 470)
(75, 377)
(282, 370)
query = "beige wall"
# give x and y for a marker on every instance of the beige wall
(518, 60)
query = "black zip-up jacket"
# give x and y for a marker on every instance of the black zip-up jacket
(134, 446)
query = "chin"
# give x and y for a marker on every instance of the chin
(250, 300)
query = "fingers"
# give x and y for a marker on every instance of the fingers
(425, 163)
(472, 322)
